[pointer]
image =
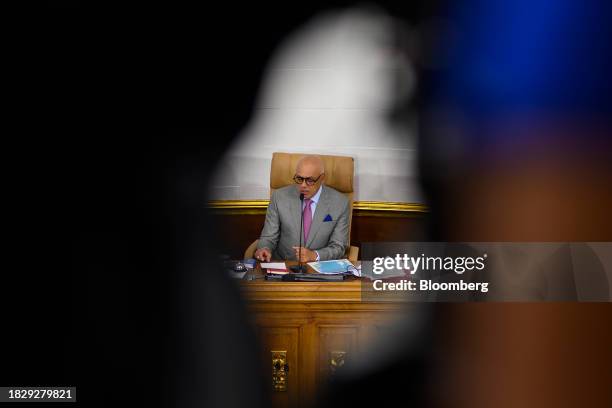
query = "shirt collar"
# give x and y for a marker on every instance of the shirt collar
(315, 198)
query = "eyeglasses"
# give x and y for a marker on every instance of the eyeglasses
(309, 181)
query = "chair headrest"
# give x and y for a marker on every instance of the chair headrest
(339, 170)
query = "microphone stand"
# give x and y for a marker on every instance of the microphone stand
(299, 268)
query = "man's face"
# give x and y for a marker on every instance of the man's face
(309, 171)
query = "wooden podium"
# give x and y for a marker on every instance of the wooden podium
(308, 330)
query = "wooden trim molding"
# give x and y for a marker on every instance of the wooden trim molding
(238, 204)
(360, 207)
(389, 206)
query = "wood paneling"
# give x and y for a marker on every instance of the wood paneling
(335, 338)
(283, 336)
(237, 232)
(398, 228)
(311, 320)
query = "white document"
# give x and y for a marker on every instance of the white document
(274, 265)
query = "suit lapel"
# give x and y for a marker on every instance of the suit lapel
(320, 213)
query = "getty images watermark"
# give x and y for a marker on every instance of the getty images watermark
(411, 265)
(486, 271)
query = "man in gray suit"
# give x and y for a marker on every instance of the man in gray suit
(326, 218)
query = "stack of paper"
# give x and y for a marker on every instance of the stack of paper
(278, 268)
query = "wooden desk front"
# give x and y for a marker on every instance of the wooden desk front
(313, 328)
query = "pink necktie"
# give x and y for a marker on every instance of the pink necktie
(307, 218)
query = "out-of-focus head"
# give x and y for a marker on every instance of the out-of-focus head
(309, 175)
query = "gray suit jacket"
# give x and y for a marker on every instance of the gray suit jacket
(328, 231)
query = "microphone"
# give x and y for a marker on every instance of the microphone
(299, 268)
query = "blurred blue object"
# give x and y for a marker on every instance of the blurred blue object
(527, 56)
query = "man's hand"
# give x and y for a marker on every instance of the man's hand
(307, 254)
(263, 254)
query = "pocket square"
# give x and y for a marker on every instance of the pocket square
(327, 218)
